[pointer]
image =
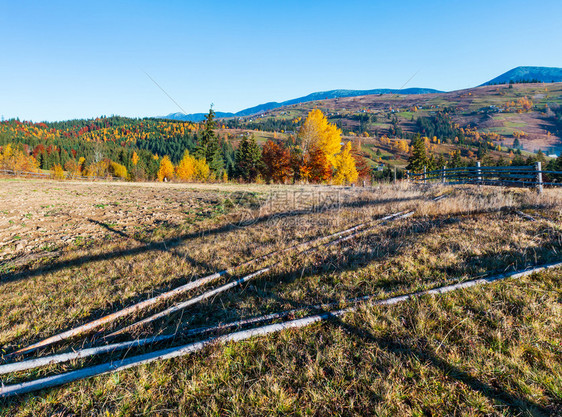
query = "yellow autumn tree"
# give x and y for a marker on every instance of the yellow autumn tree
(185, 170)
(191, 168)
(346, 172)
(15, 159)
(401, 145)
(118, 170)
(317, 133)
(5, 155)
(135, 158)
(202, 170)
(57, 172)
(166, 170)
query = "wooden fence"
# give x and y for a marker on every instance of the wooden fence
(531, 176)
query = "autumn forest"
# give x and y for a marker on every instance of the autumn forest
(314, 148)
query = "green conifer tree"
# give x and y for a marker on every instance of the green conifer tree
(419, 158)
(208, 146)
(456, 161)
(248, 159)
(541, 157)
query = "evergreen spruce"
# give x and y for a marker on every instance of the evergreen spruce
(419, 158)
(248, 159)
(229, 156)
(457, 161)
(540, 156)
(209, 147)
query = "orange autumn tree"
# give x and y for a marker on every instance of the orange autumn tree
(73, 168)
(318, 167)
(277, 162)
(364, 171)
(525, 103)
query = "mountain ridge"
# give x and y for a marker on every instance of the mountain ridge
(320, 95)
(517, 75)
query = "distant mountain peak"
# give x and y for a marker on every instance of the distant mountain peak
(193, 117)
(528, 74)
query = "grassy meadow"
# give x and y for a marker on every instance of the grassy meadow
(71, 252)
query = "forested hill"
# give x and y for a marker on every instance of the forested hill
(194, 117)
(111, 138)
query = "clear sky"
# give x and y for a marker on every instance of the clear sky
(61, 60)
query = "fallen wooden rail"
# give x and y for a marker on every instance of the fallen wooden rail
(114, 347)
(55, 380)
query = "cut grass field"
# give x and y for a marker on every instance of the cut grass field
(491, 350)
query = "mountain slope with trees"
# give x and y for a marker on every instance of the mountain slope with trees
(528, 75)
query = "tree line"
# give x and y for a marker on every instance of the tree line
(150, 149)
(314, 155)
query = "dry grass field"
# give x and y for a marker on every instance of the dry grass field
(71, 252)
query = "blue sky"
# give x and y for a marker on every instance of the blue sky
(62, 60)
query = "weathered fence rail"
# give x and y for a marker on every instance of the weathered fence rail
(531, 176)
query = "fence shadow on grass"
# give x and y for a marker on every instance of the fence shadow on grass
(391, 236)
(275, 280)
(184, 256)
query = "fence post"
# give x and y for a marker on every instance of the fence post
(395, 174)
(538, 167)
(478, 172)
(424, 174)
(443, 175)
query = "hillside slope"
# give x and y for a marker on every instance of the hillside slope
(518, 74)
(496, 110)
